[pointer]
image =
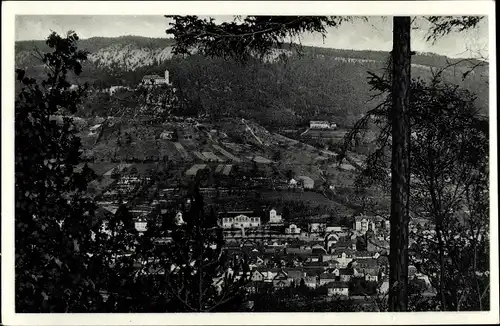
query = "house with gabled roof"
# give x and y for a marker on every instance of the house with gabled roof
(257, 276)
(363, 254)
(281, 280)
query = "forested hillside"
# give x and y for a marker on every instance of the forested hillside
(317, 82)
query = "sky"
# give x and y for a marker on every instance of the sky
(375, 34)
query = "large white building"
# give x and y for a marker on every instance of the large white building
(240, 221)
(321, 124)
(157, 80)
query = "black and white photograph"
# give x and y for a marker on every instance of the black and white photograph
(159, 160)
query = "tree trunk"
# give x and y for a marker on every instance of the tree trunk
(474, 270)
(401, 60)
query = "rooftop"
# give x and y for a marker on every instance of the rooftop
(368, 262)
(338, 285)
(346, 271)
(364, 254)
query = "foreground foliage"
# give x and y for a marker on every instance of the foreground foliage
(53, 213)
(449, 188)
(73, 257)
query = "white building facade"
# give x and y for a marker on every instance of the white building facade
(157, 80)
(319, 124)
(340, 290)
(240, 221)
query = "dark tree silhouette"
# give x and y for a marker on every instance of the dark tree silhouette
(198, 275)
(54, 216)
(400, 172)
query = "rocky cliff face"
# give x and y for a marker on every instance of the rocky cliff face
(129, 57)
(125, 53)
(133, 52)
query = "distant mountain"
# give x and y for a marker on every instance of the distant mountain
(317, 81)
(132, 52)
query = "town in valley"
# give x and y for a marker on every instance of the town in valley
(261, 185)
